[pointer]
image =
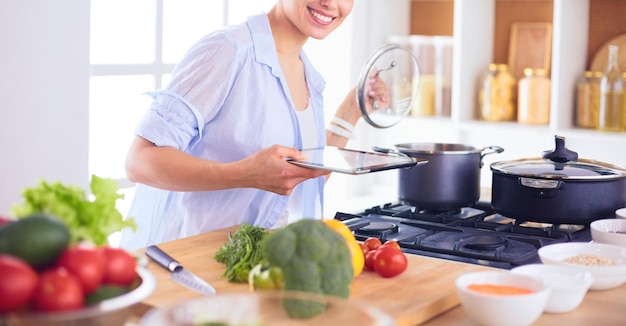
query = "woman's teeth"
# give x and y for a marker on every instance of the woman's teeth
(321, 17)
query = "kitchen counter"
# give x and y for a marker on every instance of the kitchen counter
(424, 294)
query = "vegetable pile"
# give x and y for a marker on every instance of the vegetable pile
(41, 271)
(242, 252)
(88, 220)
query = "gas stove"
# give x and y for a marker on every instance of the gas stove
(475, 234)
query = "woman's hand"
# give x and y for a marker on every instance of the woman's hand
(268, 170)
(377, 92)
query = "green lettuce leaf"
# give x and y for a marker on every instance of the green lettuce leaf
(91, 220)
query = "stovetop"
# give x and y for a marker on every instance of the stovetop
(473, 234)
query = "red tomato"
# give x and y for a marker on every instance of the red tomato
(372, 243)
(369, 260)
(86, 263)
(392, 243)
(17, 283)
(58, 290)
(6, 220)
(120, 267)
(389, 261)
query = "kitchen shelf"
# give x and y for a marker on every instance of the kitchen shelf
(480, 31)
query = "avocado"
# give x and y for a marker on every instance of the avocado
(37, 239)
(105, 292)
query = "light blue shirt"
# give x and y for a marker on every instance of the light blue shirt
(228, 98)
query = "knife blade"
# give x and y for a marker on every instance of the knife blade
(179, 274)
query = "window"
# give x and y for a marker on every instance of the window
(136, 44)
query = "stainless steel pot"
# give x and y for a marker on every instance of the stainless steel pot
(450, 180)
(558, 188)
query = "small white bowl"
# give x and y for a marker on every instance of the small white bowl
(494, 309)
(611, 231)
(604, 277)
(568, 285)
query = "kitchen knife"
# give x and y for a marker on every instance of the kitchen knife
(179, 274)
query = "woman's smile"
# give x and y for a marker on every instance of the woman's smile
(320, 16)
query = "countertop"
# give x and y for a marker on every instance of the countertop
(424, 294)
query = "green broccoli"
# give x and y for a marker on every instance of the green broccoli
(313, 259)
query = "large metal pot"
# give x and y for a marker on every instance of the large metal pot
(558, 188)
(450, 179)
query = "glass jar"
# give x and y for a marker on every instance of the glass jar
(533, 104)
(588, 99)
(496, 96)
(612, 95)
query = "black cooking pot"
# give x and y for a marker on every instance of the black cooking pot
(450, 179)
(558, 188)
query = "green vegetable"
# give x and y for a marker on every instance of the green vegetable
(88, 220)
(37, 239)
(314, 259)
(265, 277)
(241, 252)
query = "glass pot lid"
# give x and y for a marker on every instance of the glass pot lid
(561, 163)
(581, 169)
(397, 68)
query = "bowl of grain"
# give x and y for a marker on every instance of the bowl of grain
(605, 262)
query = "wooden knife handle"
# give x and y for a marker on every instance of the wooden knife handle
(162, 258)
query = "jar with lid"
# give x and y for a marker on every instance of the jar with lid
(588, 99)
(612, 95)
(496, 96)
(533, 104)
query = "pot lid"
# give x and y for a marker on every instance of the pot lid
(547, 169)
(560, 164)
(396, 66)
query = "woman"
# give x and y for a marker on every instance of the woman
(210, 153)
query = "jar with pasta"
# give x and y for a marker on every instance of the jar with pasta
(533, 106)
(496, 96)
(588, 99)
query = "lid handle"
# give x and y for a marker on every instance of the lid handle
(560, 154)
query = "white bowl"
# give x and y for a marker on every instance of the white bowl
(604, 277)
(494, 309)
(568, 285)
(611, 231)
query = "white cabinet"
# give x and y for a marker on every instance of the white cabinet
(473, 34)
(474, 22)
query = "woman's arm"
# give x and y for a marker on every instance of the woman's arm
(168, 168)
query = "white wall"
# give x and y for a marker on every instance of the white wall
(44, 75)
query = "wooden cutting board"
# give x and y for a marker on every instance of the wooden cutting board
(424, 290)
(601, 58)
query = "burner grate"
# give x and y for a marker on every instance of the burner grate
(470, 234)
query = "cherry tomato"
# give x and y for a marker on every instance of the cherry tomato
(389, 261)
(392, 243)
(120, 267)
(372, 243)
(369, 260)
(85, 262)
(58, 290)
(17, 283)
